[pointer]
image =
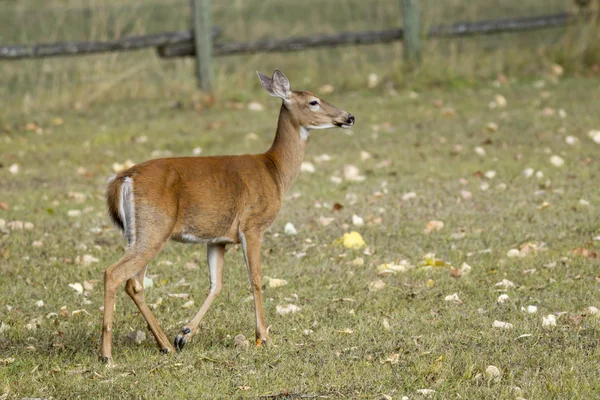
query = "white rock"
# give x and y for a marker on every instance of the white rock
(290, 229)
(480, 151)
(584, 202)
(502, 298)
(357, 221)
(502, 325)
(284, 309)
(549, 320)
(197, 151)
(39, 303)
(592, 310)
(539, 174)
(492, 372)
(307, 166)
(557, 161)
(484, 186)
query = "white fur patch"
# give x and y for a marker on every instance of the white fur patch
(189, 238)
(127, 210)
(326, 126)
(304, 133)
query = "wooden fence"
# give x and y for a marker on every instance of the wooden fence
(202, 41)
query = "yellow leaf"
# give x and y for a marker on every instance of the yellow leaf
(352, 240)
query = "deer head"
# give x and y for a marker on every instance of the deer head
(310, 111)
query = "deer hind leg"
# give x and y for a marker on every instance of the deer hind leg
(216, 256)
(132, 263)
(251, 248)
(135, 289)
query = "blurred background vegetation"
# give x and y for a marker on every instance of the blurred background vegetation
(58, 83)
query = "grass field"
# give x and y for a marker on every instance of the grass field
(352, 338)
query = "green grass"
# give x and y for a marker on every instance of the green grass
(441, 345)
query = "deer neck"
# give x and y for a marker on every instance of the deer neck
(287, 150)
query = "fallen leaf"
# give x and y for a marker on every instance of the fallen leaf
(505, 283)
(352, 240)
(393, 358)
(307, 166)
(346, 331)
(357, 221)
(290, 229)
(453, 298)
(178, 295)
(3, 206)
(188, 304)
(77, 287)
(492, 373)
(549, 320)
(376, 285)
(557, 161)
(502, 298)
(352, 173)
(433, 226)
(325, 220)
(287, 309)
(275, 283)
(502, 325)
(392, 269)
(594, 135)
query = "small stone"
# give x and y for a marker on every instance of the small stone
(255, 106)
(307, 166)
(14, 169)
(74, 213)
(39, 303)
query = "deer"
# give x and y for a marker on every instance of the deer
(212, 200)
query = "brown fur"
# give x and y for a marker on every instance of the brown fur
(221, 199)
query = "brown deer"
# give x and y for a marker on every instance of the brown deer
(213, 200)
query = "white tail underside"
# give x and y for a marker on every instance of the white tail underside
(127, 210)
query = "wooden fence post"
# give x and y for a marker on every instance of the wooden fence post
(412, 31)
(202, 30)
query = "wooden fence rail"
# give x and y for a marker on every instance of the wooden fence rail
(462, 29)
(80, 48)
(200, 41)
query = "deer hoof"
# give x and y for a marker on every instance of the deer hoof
(105, 360)
(260, 342)
(166, 350)
(181, 338)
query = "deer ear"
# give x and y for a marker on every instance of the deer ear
(267, 83)
(281, 85)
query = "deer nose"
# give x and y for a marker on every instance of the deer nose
(351, 119)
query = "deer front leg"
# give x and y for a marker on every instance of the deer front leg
(216, 256)
(251, 248)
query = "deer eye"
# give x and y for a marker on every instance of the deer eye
(314, 103)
